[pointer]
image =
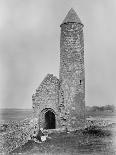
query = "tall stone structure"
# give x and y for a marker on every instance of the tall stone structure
(60, 102)
(57, 103)
(72, 74)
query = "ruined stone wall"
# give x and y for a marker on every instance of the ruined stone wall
(47, 97)
(15, 137)
(64, 97)
(72, 75)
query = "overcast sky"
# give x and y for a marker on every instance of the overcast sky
(30, 47)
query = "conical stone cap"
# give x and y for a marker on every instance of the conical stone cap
(72, 17)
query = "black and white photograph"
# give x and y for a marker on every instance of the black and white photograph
(57, 77)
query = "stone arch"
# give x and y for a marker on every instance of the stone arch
(48, 118)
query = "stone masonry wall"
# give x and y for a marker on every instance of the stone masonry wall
(15, 137)
(47, 97)
(72, 75)
(64, 97)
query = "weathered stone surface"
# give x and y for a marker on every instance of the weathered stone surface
(57, 103)
(15, 137)
(46, 99)
(72, 75)
(72, 17)
(65, 97)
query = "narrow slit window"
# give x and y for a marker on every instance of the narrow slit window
(80, 82)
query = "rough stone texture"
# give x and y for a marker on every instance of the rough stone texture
(46, 99)
(16, 137)
(72, 74)
(65, 97)
(72, 17)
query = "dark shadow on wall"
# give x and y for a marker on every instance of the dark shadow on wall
(50, 122)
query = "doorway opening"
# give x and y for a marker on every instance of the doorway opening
(50, 122)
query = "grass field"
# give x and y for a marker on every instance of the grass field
(14, 114)
(73, 143)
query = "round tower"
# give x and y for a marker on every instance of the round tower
(72, 74)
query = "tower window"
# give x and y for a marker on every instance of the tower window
(80, 82)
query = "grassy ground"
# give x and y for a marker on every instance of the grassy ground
(74, 143)
(14, 114)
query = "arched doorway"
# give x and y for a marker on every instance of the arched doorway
(50, 122)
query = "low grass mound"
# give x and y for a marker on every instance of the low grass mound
(96, 131)
(90, 140)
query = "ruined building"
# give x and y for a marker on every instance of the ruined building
(57, 103)
(60, 102)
